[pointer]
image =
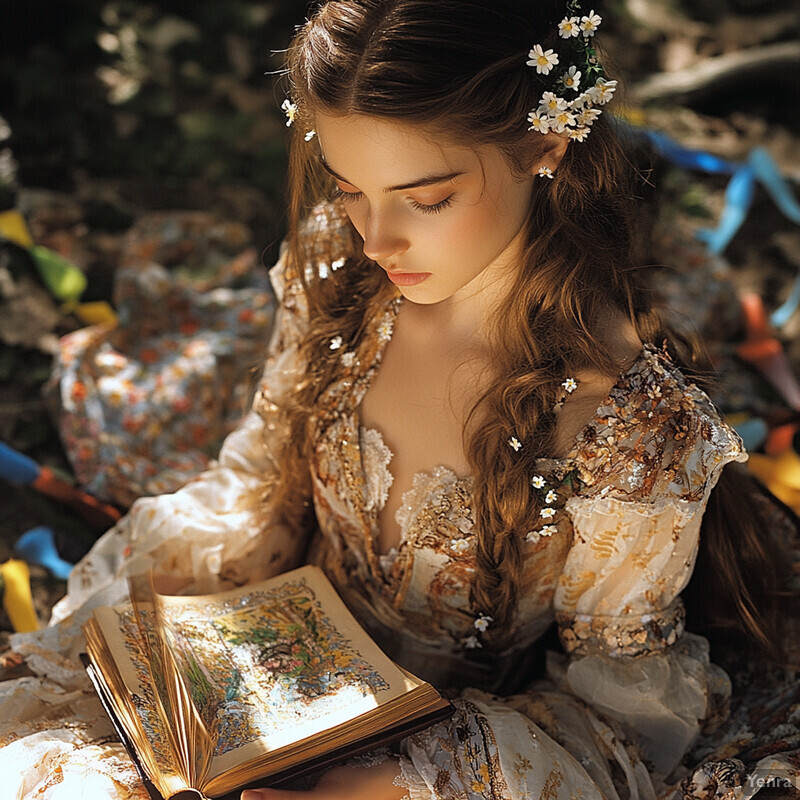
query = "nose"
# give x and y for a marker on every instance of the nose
(382, 239)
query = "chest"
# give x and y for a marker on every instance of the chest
(419, 403)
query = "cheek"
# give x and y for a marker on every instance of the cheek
(486, 227)
(357, 217)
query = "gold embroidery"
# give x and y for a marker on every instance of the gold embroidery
(629, 636)
(554, 780)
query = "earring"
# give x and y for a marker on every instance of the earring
(545, 172)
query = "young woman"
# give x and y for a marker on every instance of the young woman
(484, 431)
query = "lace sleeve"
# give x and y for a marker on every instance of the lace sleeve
(620, 616)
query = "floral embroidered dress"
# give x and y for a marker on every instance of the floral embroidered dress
(620, 705)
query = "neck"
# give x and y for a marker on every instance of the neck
(468, 315)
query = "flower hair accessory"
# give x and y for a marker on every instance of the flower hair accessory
(290, 109)
(579, 84)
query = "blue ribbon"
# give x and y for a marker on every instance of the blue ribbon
(739, 193)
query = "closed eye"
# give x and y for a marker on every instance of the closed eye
(433, 208)
(346, 197)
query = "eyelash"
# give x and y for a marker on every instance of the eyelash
(353, 197)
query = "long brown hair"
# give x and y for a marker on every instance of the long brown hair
(457, 68)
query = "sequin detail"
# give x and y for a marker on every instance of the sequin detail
(627, 636)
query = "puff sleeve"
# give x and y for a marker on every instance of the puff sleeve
(648, 466)
(217, 530)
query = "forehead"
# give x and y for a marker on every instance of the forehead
(375, 150)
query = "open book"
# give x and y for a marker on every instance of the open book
(251, 686)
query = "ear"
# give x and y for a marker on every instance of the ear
(554, 147)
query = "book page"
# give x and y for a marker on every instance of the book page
(271, 663)
(117, 629)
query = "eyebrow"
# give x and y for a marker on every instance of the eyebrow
(428, 180)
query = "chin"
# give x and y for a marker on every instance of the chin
(421, 297)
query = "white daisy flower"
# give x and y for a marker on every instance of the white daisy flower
(587, 116)
(572, 78)
(483, 622)
(539, 122)
(533, 537)
(385, 329)
(569, 27)
(336, 343)
(545, 172)
(581, 101)
(548, 530)
(543, 60)
(310, 135)
(349, 358)
(547, 513)
(590, 24)
(551, 103)
(290, 109)
(579, 134)
(515, 444)
(459, 545)
(338, 264)
(570, 385)
(551, 497)
(561, 120)
(602, 91)
(471, 642)
(538, 482)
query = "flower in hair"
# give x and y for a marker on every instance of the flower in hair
(562, 105)
(538, 482)
(543, 60)
(539, 121)
(551, 497)
(579, 134)
(515, 444)
(570, 385)
(561, 121)
(310, 135)
(483, 622)
(545, 172)
(336, 342)
(471, 642)
(290, 109)
(569, 27)
(348, 358)
(547, 513)
(602, 91)
(587, 116)
(571, 78)
(545, 530)
(551, 103)
(590, 23)
(385, 328)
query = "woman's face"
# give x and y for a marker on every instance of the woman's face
(443, 220)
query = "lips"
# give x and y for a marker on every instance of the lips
(407, 278)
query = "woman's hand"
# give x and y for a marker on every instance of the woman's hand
(343, 783)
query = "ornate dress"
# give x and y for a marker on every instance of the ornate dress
(620, 704)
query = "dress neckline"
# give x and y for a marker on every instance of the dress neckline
(385, 329)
